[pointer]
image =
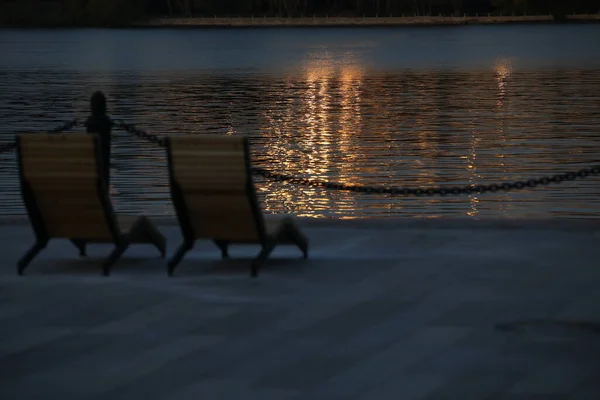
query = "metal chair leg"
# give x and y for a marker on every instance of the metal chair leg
(292, 231)
(143, 228)
(30, 254)
(178, 256)
(224, 246)
(261, 258)
(304, 247)
(160, 243)
(114, 257)
(80, 244)
(302, 244)
(157, 238)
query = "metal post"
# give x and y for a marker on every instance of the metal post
(100, 124)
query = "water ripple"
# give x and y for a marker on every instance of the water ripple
(334, 117)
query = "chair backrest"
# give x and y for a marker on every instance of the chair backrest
(212, 188)
(63, 186)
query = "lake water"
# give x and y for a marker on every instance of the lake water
(406, 106)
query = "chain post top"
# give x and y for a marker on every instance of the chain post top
(98, 104)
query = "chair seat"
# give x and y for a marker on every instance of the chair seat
(66, 198)
(214, 197)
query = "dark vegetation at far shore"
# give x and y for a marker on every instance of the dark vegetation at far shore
(115, 13)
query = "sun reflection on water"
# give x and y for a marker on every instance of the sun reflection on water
(503, 69)
(330, 119)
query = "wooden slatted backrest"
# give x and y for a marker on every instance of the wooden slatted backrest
(212, 187)
(62, 186)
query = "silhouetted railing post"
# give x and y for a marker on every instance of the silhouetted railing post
(100, 124)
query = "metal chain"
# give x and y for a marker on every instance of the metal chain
(436, 191)
(139, 133)
(393, 190)
(62, 128)
(5, 148)
(67, 126)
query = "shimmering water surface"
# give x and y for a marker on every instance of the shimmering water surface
(417, 107)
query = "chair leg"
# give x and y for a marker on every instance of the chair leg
(302, 244)
(158, 240)
(80, 244)
(30, 254)
(114, 256)
(160, 244)
(297, 237)
(261, 258)
(184, 248)
(145, 229)
(223, 245)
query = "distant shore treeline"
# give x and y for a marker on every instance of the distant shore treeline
(126, 12)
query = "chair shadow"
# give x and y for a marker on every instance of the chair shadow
(143, 262)
(93, 265)
(239, 266)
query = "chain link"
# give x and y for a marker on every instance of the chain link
(394, 190)
(67, 126)
(429, 192)
(5, 148)
(139, 133)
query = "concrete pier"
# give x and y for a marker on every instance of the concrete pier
(381, 310)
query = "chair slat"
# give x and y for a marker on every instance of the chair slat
(66, 197)
(214, 198)
(92, 229)
(213, 175)
(62, 172)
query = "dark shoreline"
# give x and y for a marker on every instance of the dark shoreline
(356, 22)
(321, 22)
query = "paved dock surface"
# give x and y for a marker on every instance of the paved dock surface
(397, 310)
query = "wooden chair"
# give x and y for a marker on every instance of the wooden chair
(66, 196)
(214, 198)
